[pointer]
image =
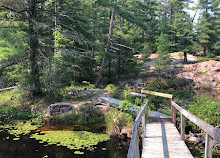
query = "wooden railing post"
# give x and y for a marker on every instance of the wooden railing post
(143, 121)
(173, 113)
(143, 126)
(208, 146)
(137, 150)
(134, 149)
(182, 126)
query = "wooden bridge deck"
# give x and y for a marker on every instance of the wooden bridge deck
(163, 140)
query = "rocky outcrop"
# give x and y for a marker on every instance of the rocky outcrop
(196, 139)
(102, 108)
(177, 57)
(126, 132)
(60, 108)
(202, 74)
(131, 82)
(84, 92)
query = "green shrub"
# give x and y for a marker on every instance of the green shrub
(83, 86)
(116, 120)
(159, 83)
(12, 97)
(10, 113)
(163, 84)
(182, 96)
(203, 59)
(112, 89)
(82, 116)
(206, 109)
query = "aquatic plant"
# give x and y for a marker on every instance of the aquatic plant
(78, 152)
(20, 128)
(74, 140)
(16, 139)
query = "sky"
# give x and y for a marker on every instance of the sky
(192, 12)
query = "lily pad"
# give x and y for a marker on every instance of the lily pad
(78, 152)
(16, 139)
(74, 140)
(20, 128)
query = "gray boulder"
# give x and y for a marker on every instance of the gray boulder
(60, 108)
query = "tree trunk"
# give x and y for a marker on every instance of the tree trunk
(185, 58)
(33, 46)
(119, 66)
(107, 48)
(205, 49)
(171, 12)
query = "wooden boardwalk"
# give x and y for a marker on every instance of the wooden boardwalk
(160, 137)
(163, 139)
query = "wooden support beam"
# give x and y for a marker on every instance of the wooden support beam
(174, 115)
(158, 94)
(143, 126)
(182, 127)
(208, 146)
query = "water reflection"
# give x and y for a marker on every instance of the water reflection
(30, 148)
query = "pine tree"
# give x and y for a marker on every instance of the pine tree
(207, 26)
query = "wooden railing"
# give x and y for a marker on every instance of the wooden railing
(134, 150)
(212, 133)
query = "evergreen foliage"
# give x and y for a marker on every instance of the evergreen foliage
(48, 45)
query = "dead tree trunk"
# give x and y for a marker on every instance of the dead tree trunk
(111, 26)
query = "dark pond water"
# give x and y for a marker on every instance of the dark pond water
(30, 148)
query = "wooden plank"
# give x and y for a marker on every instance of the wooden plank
(116, 102)
(9, 88)
(158, 94)
(164, 141)
(156, 114)
(138, 94)
(211, 130)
